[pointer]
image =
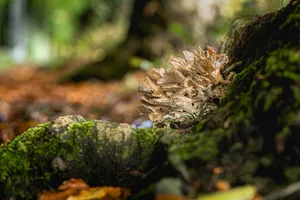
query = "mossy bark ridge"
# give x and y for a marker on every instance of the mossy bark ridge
(255, 131)
(102, 153)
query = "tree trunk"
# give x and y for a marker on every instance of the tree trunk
(146, 22)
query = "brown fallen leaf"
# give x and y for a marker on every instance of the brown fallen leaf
(222, 185)
(294, 3)
(218, 170)
(29, 96)
(257, 197)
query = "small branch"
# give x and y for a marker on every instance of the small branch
(229, 69)
(284, 193)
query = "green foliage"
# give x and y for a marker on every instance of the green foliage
(141, 63)
(293, 174)
(60, 17)
(181, 32)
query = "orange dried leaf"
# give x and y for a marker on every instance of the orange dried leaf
(257, 197)
(78, 184)
(66, 189)
(222, 185)
(98, 193)
(63, 195)
(218, 170)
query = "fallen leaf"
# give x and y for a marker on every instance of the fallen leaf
(78, 184)
(101, 193)
(218, 170)
(222, 185)
(169, 197)
(68, 188)
(241, 193)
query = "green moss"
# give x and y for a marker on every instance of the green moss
(81, 129)
(261, 102)
(25, 162)
(293, 19)
(146, 139)
(241, 82)
(265, 34)
(293, 174)
(101, 153)
(16, 165)
(197, 145)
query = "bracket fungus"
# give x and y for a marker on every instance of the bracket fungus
(181, 95)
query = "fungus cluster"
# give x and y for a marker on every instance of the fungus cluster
(181, 95)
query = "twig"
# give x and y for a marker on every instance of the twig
(231, 67)
(284, 193)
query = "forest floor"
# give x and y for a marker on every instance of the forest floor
(29, 96)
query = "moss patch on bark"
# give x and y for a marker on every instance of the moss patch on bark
(101, 153)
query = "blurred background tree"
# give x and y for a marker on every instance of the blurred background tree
(106, 38)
